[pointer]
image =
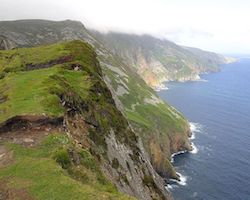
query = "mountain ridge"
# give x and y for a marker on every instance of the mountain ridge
(159, 60)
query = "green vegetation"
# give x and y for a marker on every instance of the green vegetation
(61, 156)
(37, 92)
(48, 171)
(65, 74)
(155, 117)
(17, 59)
(160, 116)
(27, 94)
(148, 116)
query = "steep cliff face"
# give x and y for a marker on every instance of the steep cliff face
(56, 110)
(162, 129)
(159, 60)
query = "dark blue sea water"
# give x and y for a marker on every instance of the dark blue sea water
(219, 107)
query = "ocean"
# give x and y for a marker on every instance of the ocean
(218, 108)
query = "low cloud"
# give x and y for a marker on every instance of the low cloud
(209, 24)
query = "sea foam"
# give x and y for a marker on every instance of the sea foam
(174, 183)
(195, 127)
(183, 179)
(195, 149)
(175, 154)
(168, 186)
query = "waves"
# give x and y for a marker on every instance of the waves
(194, 149)
(176, 154)
(183, 179)
(195, 128)
(174, 183)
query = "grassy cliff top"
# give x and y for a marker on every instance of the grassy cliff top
(32, 79)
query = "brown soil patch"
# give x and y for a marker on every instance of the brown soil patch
(49, 64)
(7, 193)
(29, 122)
(29, 130)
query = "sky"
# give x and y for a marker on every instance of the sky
(216, 25)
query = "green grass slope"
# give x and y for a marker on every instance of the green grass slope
(35, 91)
(47, 171)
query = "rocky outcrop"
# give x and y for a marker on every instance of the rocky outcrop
(129, 168)
(137, 177)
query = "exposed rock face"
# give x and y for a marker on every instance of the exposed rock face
(138, 177)
(128, 168)
(120, 152)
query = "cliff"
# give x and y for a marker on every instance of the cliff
(62, 136)
(159, 60)
(163, 130)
